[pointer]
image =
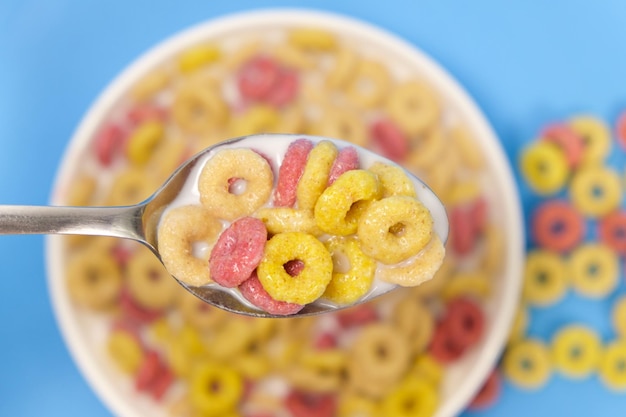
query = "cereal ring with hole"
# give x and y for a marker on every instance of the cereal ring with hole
(131, 187)
(287, 219)
(545, 167)
(596, 137)
(568, 140)
(253, 291)
(286, 89)
(225, 199)
(125, 349)
(312, 39)
(488, 393)
(393, 180)
(557, 226)
(416, 270)
(353, 271)
(618, 317)
(356, 316)
(319, 371)
(527, 364)
(199, 314)
(347, 159)
(414, 106)
(394, 229)
(612, 371)
(391, 141)
(472, 156)
(415, 321)
(310, 283)
(308, 404)
(369, 84)
(576, 351)
(149, 283)
(612, 231)
(594, 270)
(214, 389)
(290, 171)
(427, 149)
(94, 279)
(237, 252)
(342, 123)
(545, 278)
(314, 179)
(257, 76)
(465, 322)
(199, 109)
(596, 191)
(340, 207)
(443, 347)
(198, 56)
(185, 236)
(413, 397)
(475, 284)
(462, 192)
(343, 66)
(108, 143)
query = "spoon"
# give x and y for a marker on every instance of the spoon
(140, 222)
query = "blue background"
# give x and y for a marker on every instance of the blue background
(525, 63)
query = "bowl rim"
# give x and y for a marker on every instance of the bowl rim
(513, 217)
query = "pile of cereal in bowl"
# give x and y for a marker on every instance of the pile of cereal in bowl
(388, 356)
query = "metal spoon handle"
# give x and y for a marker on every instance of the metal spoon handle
(123, 222)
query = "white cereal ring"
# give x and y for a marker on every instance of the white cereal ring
(199, 109)
(369, 85)
(418, 270)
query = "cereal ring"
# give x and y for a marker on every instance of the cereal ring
(612, 231)
(341, 205)
(488, 393)
(356, 316)
(527, 364)
(427, 368)
(342, 123)
(343, 66)
(414, 106)
(290, 171)
(465, 322)
(394, 229)
(134, 313)
(237, 252)
(576, 351)
(393, 180)
(253, 291)
(286, 219)
(443, 347)
(94, 278)
(369, 84)
(319, 371)
(415, 321)
(413, 397)
(544, 167)
(198, 109)
(433, 287)
(285, 90)
(557, 226)
(257, 76)
(441, 175)
(594, 270)
(471, 155)
(308, 404)
(131, 187)
(256, 119)
(310, 283)
(620, 130)
(198, 313)
(184, 237)
(126, 350)
(475, 284)
(315, 176)
(214, 389)
(595, 135)
(568, 140)
(427, 149)
(149, 283)
(312, 38)
(353, 272)
(545, 278)
(612, 372)
(197, 57)
(418, 270)
(595, 191)
(618, 317)
(108, 143)
(390, 139)
(347, 159)
(247, 167)
(463, 231)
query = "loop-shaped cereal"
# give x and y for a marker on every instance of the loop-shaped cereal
(395, 228)
(412, 397)
(347, 159)
(340, 122)
(182, 233)
(353, 271)
(612, 371)
(199, 109)
(618, 317)
(527, 364)
(287, 219)
(198, 56)
(414, 106)
(475, 284)
(415, 321)
(343, 66)
(290, 171)
(319, 371)
(568, 140)
(426, 367)
(464, 320)
(596, 137)
(557, 226)
(433, 287)
(612, 231)
(310, 283)
(149, 283)
(594, 270)
(576, 351)
(314, 179)
(131, 187)
(596, 190)
(341, 205)
(427, 150)
(389, 140)
(544, 167)
(242, 165)
(126, 350)
(393, 180)
(214, 389)
(198, 313)
(252, 290)
(369, 84)
(545, 278)
(418, 270)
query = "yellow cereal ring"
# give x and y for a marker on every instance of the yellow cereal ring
(199, 109)
(353, 272)
(464, 191)
(427, 149)
(208, 399)
(319, 371)
(576, 351)
(197, 57)
(341, 123)
(131, 187)
(354, 405)
(309, 284)
(149, 282)
(143, 141)
(594, 270)
(231, 340)
(434, 286)
(418, 270)
(545, 278)
(414, 106)
(199, 314)
(415, 321)
(256, 119)
(612, 371)
(596, 137)
(472, 157)
(344, 64)
(369, 84)
(315, 176)
(596, 191)
(428, 368)
(287, 219)
(519, 326)
(474, 284)
(181, 235)
(395, 228)
(312, 38)
(339, 208)
(393, 180)
(545, 167)
(125, 350)
(82, 191)
(618, 317)
(245, 165)
(94, 278)
(527, 364)
(413, 397)
(150, 85)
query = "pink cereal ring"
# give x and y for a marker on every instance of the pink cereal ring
(346, 160)
(462, 230)
(568, 140)
(133, 312)
(253, 291)
(149, 371)
(557, 226)
(620, 129)
(285, 89)
(478, 212)
(326, 340)
(357, 316)
(290, 172)
(444, 348)
(109, 143)
(465, 322)
(310, 404)
(390, 139)
(612, 231)
(238, 251)
(145, 112)
(257, 77)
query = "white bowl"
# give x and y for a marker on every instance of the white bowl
(84, 334)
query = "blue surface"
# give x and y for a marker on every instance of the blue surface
(525, 64)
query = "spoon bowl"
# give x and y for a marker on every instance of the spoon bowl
(140, 222)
